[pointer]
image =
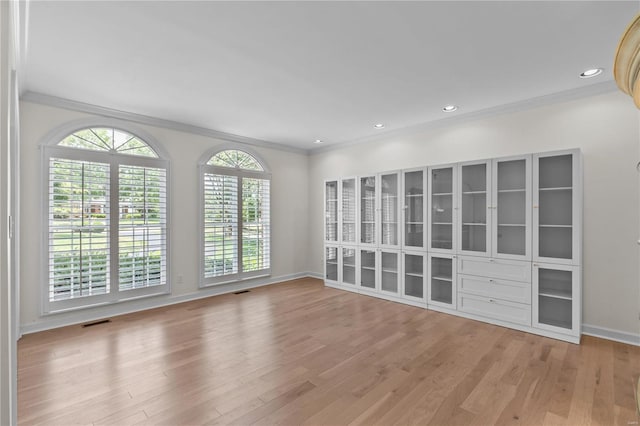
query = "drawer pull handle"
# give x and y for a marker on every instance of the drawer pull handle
(490, 280)
(491, 300)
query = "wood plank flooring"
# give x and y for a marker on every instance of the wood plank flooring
(300, 353)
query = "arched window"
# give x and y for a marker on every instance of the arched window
(236, 236)
(106, 215)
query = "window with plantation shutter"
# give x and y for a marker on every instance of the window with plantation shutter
(106, 219)
(236, 240)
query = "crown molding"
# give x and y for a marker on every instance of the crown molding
(527, 104)
(54, 101)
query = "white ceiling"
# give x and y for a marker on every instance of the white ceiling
(294, 72)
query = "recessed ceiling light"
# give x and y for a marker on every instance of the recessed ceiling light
(318, 141)
(450, 108)
(591, 73)
(379, 126)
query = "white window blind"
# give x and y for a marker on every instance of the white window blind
(78, 228)
(142, 227)
(220, 225)
(236, 218)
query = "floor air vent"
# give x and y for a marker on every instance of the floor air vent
(242, 291)
(96, 323)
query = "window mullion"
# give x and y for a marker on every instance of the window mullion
(240, 226)
(114, 228)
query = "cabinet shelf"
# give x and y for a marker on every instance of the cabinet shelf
(413, 223)
(414, 274)
(473, 192)
(332, 200)
(502, 191)
(512, 225)
(442, 278)
(442, 194)
(413, 195)
(368, 268)
(329, 262)
(442, 223)
(390, 271)
(556, 294)
(555, 226)
(557, 188)
(474, 224)
(349, 265)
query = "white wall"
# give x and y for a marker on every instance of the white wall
(289, 204)
(605, 127)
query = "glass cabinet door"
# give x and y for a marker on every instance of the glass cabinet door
(413, 275)
(512, 206)
(331, 211)
(553, 200)
(368, 210)
(390, 272)
(349, 211)
(389, 185)
(556, 301)
(331, 263)
(414, 214)
(442, 213)
(474, 198)
(348, 265)
(442, 280)
(368, 269)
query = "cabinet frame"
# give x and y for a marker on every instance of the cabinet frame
(576, 299)
(454, 279)
(404, 207)
(454, 208)
(576, 207)
(338, 264)
(460, 217)
(380, 271)
(326, 211)
(376, 210)
(494, 208)
(398, 210)
(341, 210)
(425, 275)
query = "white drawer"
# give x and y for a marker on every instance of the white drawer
(513, 270)
(495, 308)
(514, 291)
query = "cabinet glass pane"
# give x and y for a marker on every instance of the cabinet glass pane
(368, 268)
(368, 210)
(413, 208)
(389, 209)
(555, 312)
(389, 281)
(349, 210)
(348, 266)
(331, 266)
(555, 293)
(511, 206)
(413, 275)
(441, 280)
(442, 208)
(474, 207)
(331, 211)
(555, 207)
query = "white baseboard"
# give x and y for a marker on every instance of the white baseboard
(93, 314)
(317, 275)
(609, 334)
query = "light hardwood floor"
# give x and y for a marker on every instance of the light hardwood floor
(300, 353)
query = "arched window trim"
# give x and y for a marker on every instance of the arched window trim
(240, 173)
(50, 148)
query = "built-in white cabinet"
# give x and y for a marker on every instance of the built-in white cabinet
(442, 211)
(331, 211)
(389, 210)
(495, 240)
(368, 210)
(414, 275)
(441, 286)
(557, 211)
(557, 298)
(414, 207)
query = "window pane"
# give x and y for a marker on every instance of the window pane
(255, 224)
(235, 159)
(220, 225)
(142, 229)
(108, 139)
(78, 228)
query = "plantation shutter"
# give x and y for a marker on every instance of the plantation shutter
(220, 225)
(142, 226)
(78, 219)
(255, 224)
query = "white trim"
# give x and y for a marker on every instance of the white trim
(458, 119)
(126, 307)
(610, 334)
(42, 99)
